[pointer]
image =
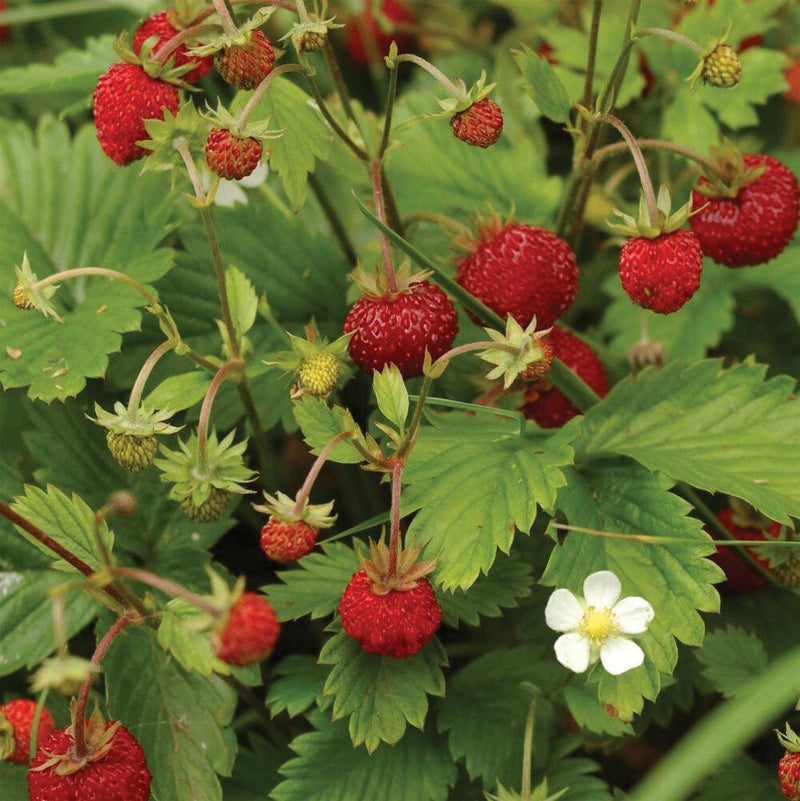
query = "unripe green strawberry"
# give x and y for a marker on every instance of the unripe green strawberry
(19, 297)
(721, 67)
(311, 41)
(317, 376)
(246, 65)
(132, 452)
(210, 509)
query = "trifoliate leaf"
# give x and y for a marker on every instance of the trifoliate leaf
(305, 139)
(96, 215)
(543, 85)
(67, 521)
(298, 685)
(731, 657)
(316, 585)
(508, 580)
(623, 498)
(328, 768)
(380, 694)
(720, 430)
(179, 718)
(475, 482)
(321, 423)
(26, 617)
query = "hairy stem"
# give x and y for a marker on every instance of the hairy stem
(661, 144)
(337, 226)
(228, 25)
(205, 411)
(302, 496)
(673, 36)
(380, 210)
(434, 72)
(588, 82)
(169, 588)
(391, 94)
(338, 80)
(411, 432)
(165, 50)
(527, 751)
(144, 374)
(331, 120)
(115, 275)
(394, 532)
(258, 93)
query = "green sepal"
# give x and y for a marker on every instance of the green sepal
(166, 71)
(282, 506)
(478, 91)
(789, 740)
(642, 225)
(143, 422)
(38, 298)
(222, 118)
(186, 127)
(731, 173)
(7, 742)
(242, 36)
(305, 34)
(518, 349)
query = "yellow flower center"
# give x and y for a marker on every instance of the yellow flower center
(597, 625)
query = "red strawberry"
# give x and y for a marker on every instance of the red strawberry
(480, 125)
(125, 96)
(287, 542)
(5, 30)
(522, 271)
(160, 25)
(16, 725)
(740, 577)
(547, 405)
(398, 623)
(115, 771)
(366, 25)
(789, 774)
(230, 156)
(661, 274)
(246, 65)
(754, 226)
(792, 76)
(250, 631)
(397, 328)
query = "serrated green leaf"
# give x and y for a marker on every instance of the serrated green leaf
(320, 424)
(574, 774)
(178, 633)
(741, 777)
(328, 768)
(475, 481)
(68, 521)
(71, 71)
(305, 139)
(732, 657)
(378, 693)
(68, 205)
(14, 781)
(508, 580)
(720, 430)
(543, 85)
(256, 768)
(179, 392)
(391, 394)
(585, 707)
(316, 585)
(621, 497)
(26, 617)
(242, 299)
(485, 708)
(178, 718)
(298, 685)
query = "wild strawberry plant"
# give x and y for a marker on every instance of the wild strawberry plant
(385, 411)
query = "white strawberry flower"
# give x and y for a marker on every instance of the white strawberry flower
(597, 626)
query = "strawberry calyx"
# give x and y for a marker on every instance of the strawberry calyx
(482, 228)
(643, 226)
(282, 507)
(789, 739)
(7, 742)
(222, 118)
(242, 35)
(730, 175)
(163, 71)
(408, 572)
(26, 295)
(520, 353)
(375, 285)
(310, 33)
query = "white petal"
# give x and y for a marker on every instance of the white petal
(602, 589)
(619, 655)
(229, 193)
(256, 178)
(563, 611)
(572, 650)
(633, 615)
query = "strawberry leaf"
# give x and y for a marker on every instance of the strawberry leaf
(321, 423)
(26, 617)
(298, 685)
(620, 497)
(731, 657)
(720, 430)
(378, 693)
(328, 768)
(543, 85)
(474, 482)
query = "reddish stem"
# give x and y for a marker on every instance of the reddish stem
(380, 210)
(205, 411)
(56, 548)
(162, 53)
(168, 587)
(305, 490)
(80, 750)
(394, 532)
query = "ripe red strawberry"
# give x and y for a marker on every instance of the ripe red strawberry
(547, 405)
(366, 25)
(287, 542)
(792, 76)
(754, 226)
(480, 125)
(399, 623)
(397, 328)
(5, 30)
(789, 774)
(230, 156)
(125, 96)
(116, 771)
(522, 271)
(246, 65)
(661, 274)
(16, 725)
(249, 633)
(740, 577)
(160, 25)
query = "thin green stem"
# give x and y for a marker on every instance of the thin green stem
(527, 752)
(641, 166)
(588, 82)
(660, 144)
(416, 419)
(391, 94)
(673, 36)
(169, 588)
(435, 73)
(115, 275)
(163, 51)
(144, 374)
(205, 411)
(337, 226)
(380, 210)
(37, 716)
(331, 120)
(366, 525)
(302, 496)
(258, 93)
(338, 80)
